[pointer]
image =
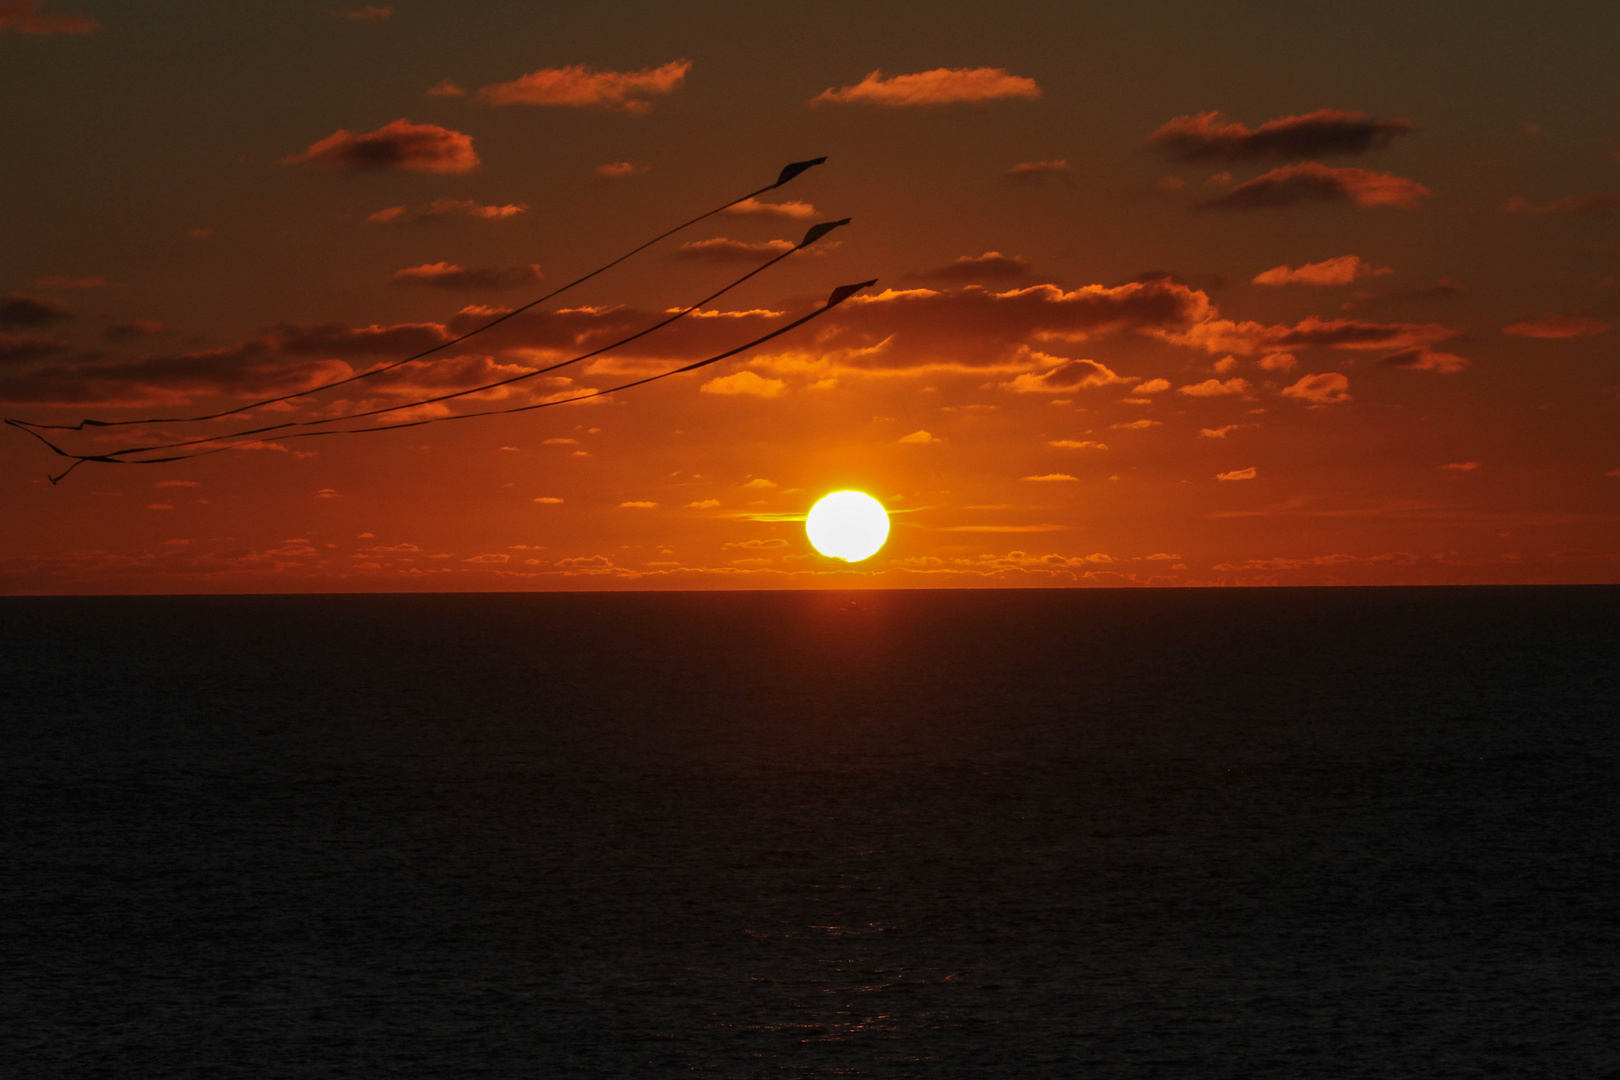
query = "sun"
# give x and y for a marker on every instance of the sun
(848, 525)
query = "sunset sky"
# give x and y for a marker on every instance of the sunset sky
(1168, 293)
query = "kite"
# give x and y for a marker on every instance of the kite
(213, 444)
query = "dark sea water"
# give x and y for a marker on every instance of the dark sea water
(1247, 834)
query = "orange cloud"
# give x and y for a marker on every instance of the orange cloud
(1068, 375)
(618, 170)
(755, 208)
(1337, 271)
(583, 87)
(1216, 388)
(1312, 182)
(1557, 326)
(991, 266)
(723, 250)
(443, 208)
(1225, 336)
(1329, 388)
(1461, 466)
(1038, 172)
(443, 275)
(1050, 478)
(1422, 358)
(941, 86)
(1207, 137)
(400, 145)
(1239, 474)
(24, 17)
(1569, 204)
(745, 383)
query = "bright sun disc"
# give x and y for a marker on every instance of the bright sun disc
(848, 525)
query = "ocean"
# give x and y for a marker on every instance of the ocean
(1083, 834)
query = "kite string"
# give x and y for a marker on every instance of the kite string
(788, 173)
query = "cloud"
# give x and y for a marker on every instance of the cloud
(335, 339)
(1076, 444)
(1312, 182)
(618, 170)
(634, 504)
(1222, 335)
(134, 330)
(723, 250)
(1595, 203)
(369, 13)
(445, 88)
(443, 208)
(1557, 326)
(941, 86)
(745, 383)
(703, 504)
(19, 309)
(491, 559)
(586, 563)
(1135, 425)
(248, 369)
(759, 483)
(755, 208)
(1239, 474)
(400, 145)
(975, 328)
(1049, 478)
(991, 266)
(1329, 388)
(1341, 270)
(21, 348)
(1067, 376)
(1461, 466)
(919, 437)
(548, 500)
(1215, 388)
(1036, 173)
(1208, 137)
(583, 87)
(1218, 432)
(1423, 358)
(1152, 386)
(443, 275)
(24, 16)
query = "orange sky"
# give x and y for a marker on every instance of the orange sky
(1167, 296)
